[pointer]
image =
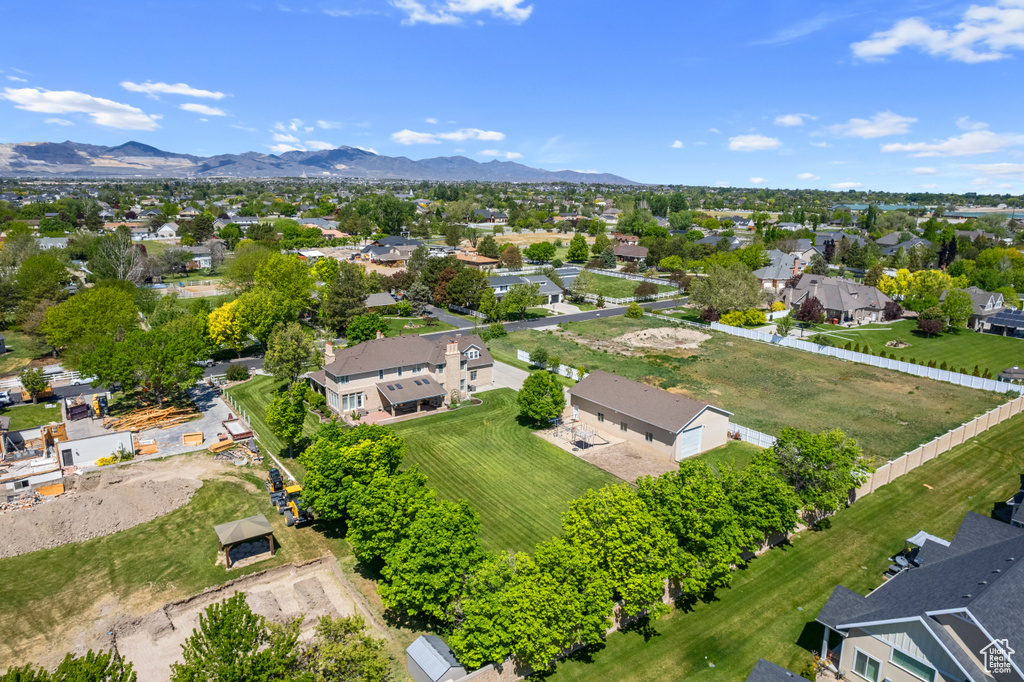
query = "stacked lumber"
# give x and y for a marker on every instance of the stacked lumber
(220, 446)
(150, 418)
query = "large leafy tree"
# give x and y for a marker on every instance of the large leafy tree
(240, 272)
(225, 327)
(578, 249)
(958, 307)
(260, 309)
(510, 257)
(382, 511)
(103, 310)
(467, 288)
(344, 298)
(765, 505)
(100, 666)
(289, 276)
(339, 459)
(285, 416)
(820, 467)
(693, 506)
(343, 651)
(233, 644)
(615, 530)
(40, 277)
(290, 352)
(365, 327)
(727, 288)
(519, 297)
(425, 571)
(541, 398)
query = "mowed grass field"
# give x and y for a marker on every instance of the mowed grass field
(397, 326)
(617, 287)
(253, 397)
(22, 349)
(518, 483)
(962, 349)
(758, 616)
(28, 416)
(768, 388)
(168, 558)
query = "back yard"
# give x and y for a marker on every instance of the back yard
(768, 388)
(617, 287)
(962, 349)
(518, 483)
(770, 608)
(22, 349)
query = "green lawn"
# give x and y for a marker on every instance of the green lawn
(253, 397)
(192, 277)
(768, 388)
(735, 453)
(21, 350)
(167, 558)
(28, 416)
(617, 287)
(215, 301)
(758, 615)
(518, 483)
(962, 349)
(398, 325)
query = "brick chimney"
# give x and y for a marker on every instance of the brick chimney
(329, 353)
(452, 369)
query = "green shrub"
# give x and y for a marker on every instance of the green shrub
(848, 346)
(634, 311)
(943, 365)
(237, 373)
(496, 330)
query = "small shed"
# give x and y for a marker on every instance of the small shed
(379, 300)
(1013, 375)
(430, 660)
(245, 538)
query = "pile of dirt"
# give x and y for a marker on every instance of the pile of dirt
(664, 338)
(98, 507)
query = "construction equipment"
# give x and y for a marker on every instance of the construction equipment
(99, 405)
(291, 506)
(274, 482)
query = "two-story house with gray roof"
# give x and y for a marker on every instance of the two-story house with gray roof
(843, 299)
(403, 374)
(957, 613)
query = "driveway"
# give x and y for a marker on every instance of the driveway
(448, 318)
(507, 376)
(222, 367)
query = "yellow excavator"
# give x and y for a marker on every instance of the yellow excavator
(290, 504)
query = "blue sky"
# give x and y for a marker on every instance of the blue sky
(865, 94)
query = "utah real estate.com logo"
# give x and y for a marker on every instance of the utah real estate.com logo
(997, 657)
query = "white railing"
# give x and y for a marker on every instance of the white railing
(632, 299)
(699, 325)
(873, 360)
(466, 311)
(564, 370)
(762, 440)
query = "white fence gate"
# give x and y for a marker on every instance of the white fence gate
(874, 360)
(746, 435)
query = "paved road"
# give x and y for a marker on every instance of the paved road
(577, 317)
(222, 367)
(446, 317)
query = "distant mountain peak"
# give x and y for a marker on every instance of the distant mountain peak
(136, 159)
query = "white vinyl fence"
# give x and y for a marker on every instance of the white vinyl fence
(466, 311)
(762, 440)
(874, 360)
(564, 370)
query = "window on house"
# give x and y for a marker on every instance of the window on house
(472, 375)
(865, 666)
(472, 354)
(343, 379)
(417, 369)
(913, 666)
(332, 399)
(399, 371)
(18, 485)
(380, 374)
(623, 426)
(351, 401)
(649, 437)
(462, 385)
(600, 416)
(440, 368)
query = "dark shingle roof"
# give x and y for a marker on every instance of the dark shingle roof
(652, 405)
(409, 389)
(766, 671)
(393, 351)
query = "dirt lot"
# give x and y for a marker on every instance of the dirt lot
(103, 503)
(153, 641)
(626, 460)
(664, 338)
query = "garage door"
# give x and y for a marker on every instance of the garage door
(688, 443)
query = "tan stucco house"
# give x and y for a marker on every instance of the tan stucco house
(673, 425)
(403, 374)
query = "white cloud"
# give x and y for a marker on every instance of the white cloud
(431, 121)
(699, 144)
(968, 144)
(292, 125)
(412, 137)
(881, 124)
(984, 34)
(284, 137)
(242, 127)
(318, 145)
(677, 145)
(368, 149)
(924, 170)
(757, 181)
(823, 145)
(104, 112)
(329, 125)
(154, 89)
(808, 176)
(453, 11)
(17, 79)
(281, 148)
(59, 121)
(202, 109)
(753, 143)
(998, 169)
(965, 123)
(507, 155)
(845, 185)
(715, 130)
(792, 120)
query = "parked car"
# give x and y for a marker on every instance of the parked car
(208, 362)
(5, 398)
(87, 381)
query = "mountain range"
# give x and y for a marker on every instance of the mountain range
(137, 160)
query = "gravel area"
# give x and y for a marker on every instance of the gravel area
(101, 504)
